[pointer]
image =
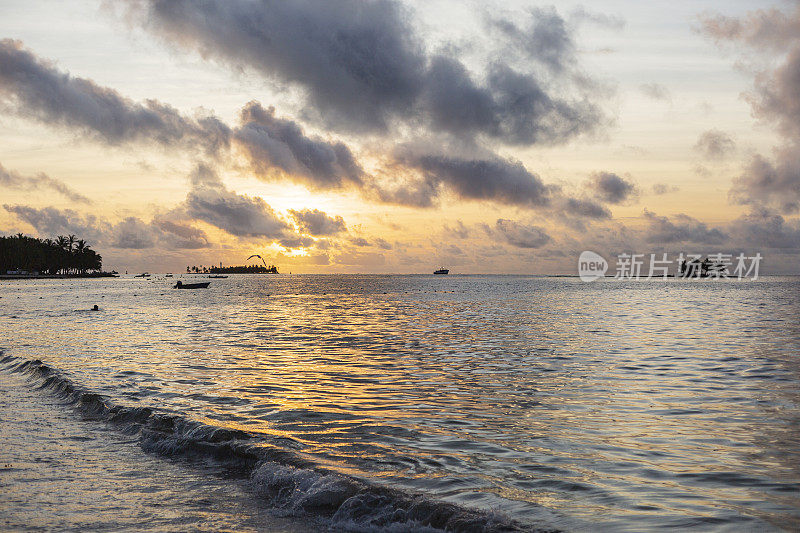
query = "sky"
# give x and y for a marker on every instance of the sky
(397, 137)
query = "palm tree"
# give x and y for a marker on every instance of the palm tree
(80, 256)
(46, 255)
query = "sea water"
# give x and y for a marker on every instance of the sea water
(402, 402)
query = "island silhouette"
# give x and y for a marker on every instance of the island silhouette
(64, 256)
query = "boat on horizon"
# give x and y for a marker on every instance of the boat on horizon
(441, 271)
(142, 275)
(201, 285)
(217, 277)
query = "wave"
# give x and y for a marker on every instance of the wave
(292, 485)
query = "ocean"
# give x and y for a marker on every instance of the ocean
(400, 403)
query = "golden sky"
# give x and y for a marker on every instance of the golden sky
(398, 137)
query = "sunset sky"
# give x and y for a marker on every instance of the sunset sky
(488, 137)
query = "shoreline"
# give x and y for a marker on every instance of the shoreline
(57, 276)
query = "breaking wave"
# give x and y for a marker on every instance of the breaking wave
(291, 484)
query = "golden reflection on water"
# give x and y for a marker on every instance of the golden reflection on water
(655, 400)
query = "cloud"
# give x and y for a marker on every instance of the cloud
(585, 208)
(656, 91)
(664, 188)
(278, 148)
(134, 234)
(383, 244)
(182, 235)
(680, 229)
(363, 68)
(296, 241)
(460, 230)
(274, 147)
(769, 182)
(611, 188)
(130, 233)
(272, 143)
(761, 228)
(502, 180)
(715, 144)
(316, 222)
(363, 242)
(237, 214)
(358, 62)
(544, 38)
(35, 88)
(512, 107)
(773, 182)
(50, 221)
(612, 22)
(14, 180)
(521, 235)
(208, 201)
(407, 191)
(763, 29)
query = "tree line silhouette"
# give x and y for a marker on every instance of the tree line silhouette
(250, 269)
(64, 255)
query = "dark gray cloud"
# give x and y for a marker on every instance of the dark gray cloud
(776, 33)
(296, 241)
(502, 180)
(278, 147)
(715, 144)
(764, 229)
(359, 62)
(585, 208)
(521, 235)
(50, 222)
(611, 188)
(208, 201)
(776, 97)
(316, 222)
(130, 233)
(680, 229)
(510, 106)
(36, 89)
(407, 191)
(363, 242)
(272, 143)
(544, 37)
(363, 66)
(238, 214)
(771, 182)
(182, 235)
(14, 180)
(133, 233)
